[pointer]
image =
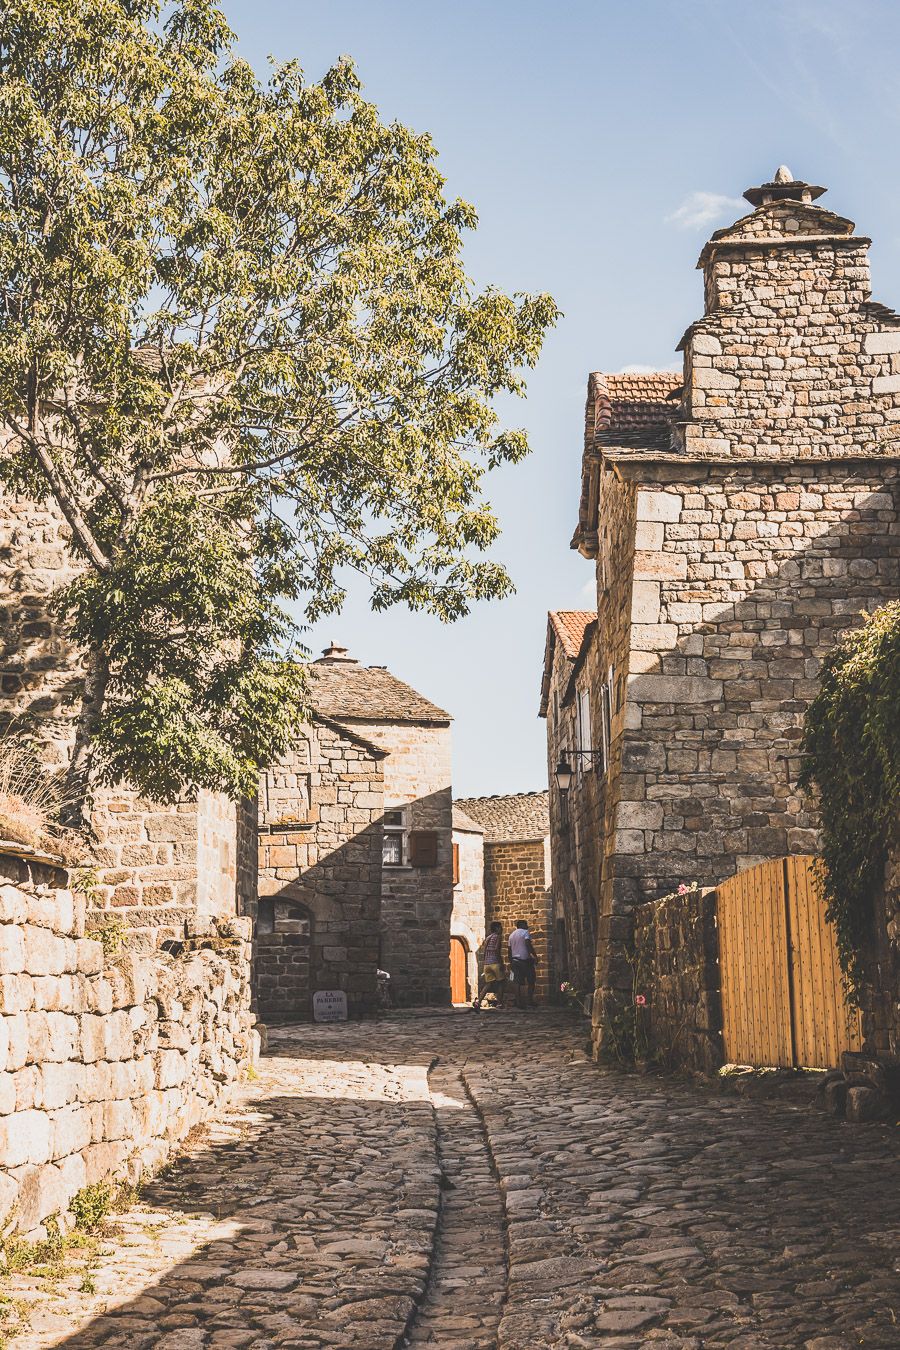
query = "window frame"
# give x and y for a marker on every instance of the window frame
(398, 831)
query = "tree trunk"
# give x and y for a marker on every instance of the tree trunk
(79, 782)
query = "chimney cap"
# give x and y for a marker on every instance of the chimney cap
(335, 655)
(783, 187)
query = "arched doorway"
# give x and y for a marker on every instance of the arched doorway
(459, 985)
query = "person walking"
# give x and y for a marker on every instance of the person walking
(524, 961)
(493, 963)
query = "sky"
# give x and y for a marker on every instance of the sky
(601, 143)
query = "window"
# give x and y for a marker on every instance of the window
(606, 707)
(456, 864)
(394, 848)
(582, 728)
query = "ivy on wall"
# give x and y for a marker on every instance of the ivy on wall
(851, 746)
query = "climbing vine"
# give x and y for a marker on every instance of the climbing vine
(851, 746)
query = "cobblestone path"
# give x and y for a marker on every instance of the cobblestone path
(462, 1181)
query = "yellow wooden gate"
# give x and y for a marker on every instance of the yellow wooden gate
(783, 1000)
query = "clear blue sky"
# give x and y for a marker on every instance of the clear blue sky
(601, 143)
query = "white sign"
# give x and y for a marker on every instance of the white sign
(329, 1005)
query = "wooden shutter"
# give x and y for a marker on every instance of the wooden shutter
(456, 864)
(423, 848)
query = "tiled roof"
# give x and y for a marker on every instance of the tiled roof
(625, 417)
(524, 815)
(465, 823)
(367, 694)
(569, 626)
(635, 410)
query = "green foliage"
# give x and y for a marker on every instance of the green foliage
(112, 936)
(92, 1205)
(239, 349)
(851, 746)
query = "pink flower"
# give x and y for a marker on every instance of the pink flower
(640, 1000)
(682, 889)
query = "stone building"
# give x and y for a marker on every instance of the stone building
(356, 856)
(517, 868)
(156, 866)
(739, 517)
(570, 675)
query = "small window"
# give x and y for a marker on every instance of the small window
(583, 729)
(456, 864)
(606, 722)
(394, 848)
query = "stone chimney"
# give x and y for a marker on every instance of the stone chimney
(791, 360)
(333, 655)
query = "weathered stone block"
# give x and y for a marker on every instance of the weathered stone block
(677, 689)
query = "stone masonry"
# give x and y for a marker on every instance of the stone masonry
(413, 735)
(155, 865)
(319, 910)
(105, 1060)
(740, 519)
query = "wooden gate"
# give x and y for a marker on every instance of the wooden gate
(783, 1000)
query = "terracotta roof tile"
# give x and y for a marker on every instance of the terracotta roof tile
(636, 410)
(521, 816)
(368, 694)
(569, 626)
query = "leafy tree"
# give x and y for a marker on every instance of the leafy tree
(851, 745)
(239, 350)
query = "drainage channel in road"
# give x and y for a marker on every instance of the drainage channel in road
(466, 1289)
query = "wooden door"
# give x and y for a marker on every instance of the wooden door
(458, 981)
(783, 1000)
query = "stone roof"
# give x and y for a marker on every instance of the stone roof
(465, 823)
(521, 816)
(568, 626)
(340, 688)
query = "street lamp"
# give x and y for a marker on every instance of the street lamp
(563, 774)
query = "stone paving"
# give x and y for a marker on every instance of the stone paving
(464, 1181)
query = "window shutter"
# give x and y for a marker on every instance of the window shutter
(456, 864)
(423, 848)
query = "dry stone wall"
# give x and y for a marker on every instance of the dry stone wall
(676, 969)
(105, 1063)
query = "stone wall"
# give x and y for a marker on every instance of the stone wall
(318, 920)
(468, 918)
(155, 866)
(417, 902)
(676, 968)
(755, 574)
(517, 886)
(105, 1063)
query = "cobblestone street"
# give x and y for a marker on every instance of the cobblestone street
(467, 1181)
